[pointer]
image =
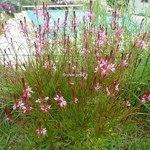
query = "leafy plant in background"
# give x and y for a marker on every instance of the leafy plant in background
(71, 91)
(27, 2)
(14, 3)
(8, 8)
(117, 3)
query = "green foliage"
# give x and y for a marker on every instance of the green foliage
(14, 3)
(27, 2)
(127, 141)
(117, 3)
(54, 0)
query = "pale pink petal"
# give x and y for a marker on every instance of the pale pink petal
(128, 104)
(97, 87)
(75, 100)
(46, 98)
(117, 87)
(96, 69)
(63, 104)
(107, 91)
(43, 131)
(38, 101)
(148, 97)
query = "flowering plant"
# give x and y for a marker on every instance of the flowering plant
(8, 8)
(74, 81)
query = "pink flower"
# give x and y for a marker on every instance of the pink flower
(96, 69)
(71, 83)
(143, 100)
(20, 104)
(45, 108)
(100, 43)
(148, 97)
(90, 15)
(101, 34)
(124, 63)
(15, 107)
(24, 108)
(10, 120)
(104, 73)
(76, 22)
(6, 29)
(120, 31)
(141, 44)
(23, 102)
(25, 95)
(41, 100)
(85, 51)
(39, 45)
(97, 87)
(75, 100)
(74, 68)
(38, 101)
(105, 67)
(111, 67)
(57, 61)
(28, 89)
(102, 38)
(39, 52)
(117, 12)
(128, 104)
(46, 98)
(46, 65)
(54, 67)
(41, 131)
(64, 23)
(117, 87)
(63, 40)
(59, 98)
(23, 27)
(36, 12)
(46, 28)
(63, 103)
(97, 55)
(107, 91)
(102, 63)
